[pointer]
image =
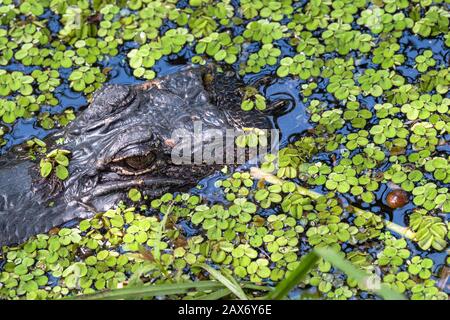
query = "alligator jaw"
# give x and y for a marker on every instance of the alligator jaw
(124, 185)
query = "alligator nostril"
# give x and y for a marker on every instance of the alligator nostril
(76, 131)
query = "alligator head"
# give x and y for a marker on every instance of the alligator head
(124, 139)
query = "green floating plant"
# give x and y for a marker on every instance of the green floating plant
(207, 18)
(264, 31)
(300, 66)
(374, 82)
(220, 46)
(429, 196)
(36, 147)
(86, 79)
(252, 137)
(342, 85)
(134, 195)
(440, 167)
(394, 253)
(426, 291)
(15, 81)
(55, 161)
(274, 10)
(239, 183)
(425, 61)
(266, 56)
(306, 43)
(400, 281)
(256, 101)
(381, 21)
(341, 38)
(269, 196)
(9, 111)
(431, 231)
(435, 79)
(420, 267)
(385, 55)
(433, 23)
(31, 6)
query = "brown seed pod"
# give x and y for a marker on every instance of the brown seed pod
(397, 198)
(53, 231)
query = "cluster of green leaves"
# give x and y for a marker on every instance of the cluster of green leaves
(220, 46)
(26, 271)
(436, 79)
(300, 66)
(21, 99)
(434, 22)
(379, 20)
(49, 121)
(86, 79)
(406, 280)
(274, 10)
(430, 231)
(341, 79)
(252, 138)
(103, 251)
(394, 253)
(425, 61)
(15, 82)
(253, 100)
(266, 56)
(92, 31)
(264, 31)
(385, 55)
(374, 82)
(145, 57)
(55, 161)
(238, 184)
(342, 39)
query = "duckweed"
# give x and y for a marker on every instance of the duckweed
(374, 127)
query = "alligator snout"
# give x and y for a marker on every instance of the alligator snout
(123, 140)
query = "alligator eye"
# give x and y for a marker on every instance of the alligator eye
(133, 165)
(140, 162)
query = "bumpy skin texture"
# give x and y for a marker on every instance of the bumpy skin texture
(122, 140)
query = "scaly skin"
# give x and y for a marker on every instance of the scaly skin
(122, 140)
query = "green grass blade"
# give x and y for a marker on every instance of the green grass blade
(232, 285)
(148, 291)
(294, 278)
(359, 275)
(216, 295)
(255, 287)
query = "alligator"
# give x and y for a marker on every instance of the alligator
(121, 140)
